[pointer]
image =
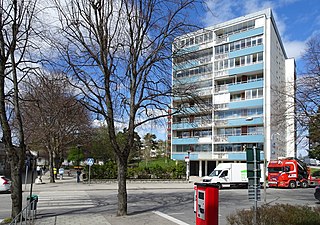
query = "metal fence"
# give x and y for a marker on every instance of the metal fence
(27, 215)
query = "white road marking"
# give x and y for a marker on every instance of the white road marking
(170, 218)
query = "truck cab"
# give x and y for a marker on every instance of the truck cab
(287, 172)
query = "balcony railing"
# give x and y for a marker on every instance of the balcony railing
(221, 73)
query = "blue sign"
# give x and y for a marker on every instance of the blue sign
(90, 161)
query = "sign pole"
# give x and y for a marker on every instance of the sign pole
(90, 162)
(26, 177)
(89, 174)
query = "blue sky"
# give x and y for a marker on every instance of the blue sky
(297, 20)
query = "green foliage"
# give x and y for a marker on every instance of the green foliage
(279, 214)
(75, 155)
(155, 170)
(101, 148)
(122, 141)
(315, 153)
(7, 220)
(106, 171)
(314, 136)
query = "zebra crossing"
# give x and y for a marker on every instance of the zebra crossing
(64, 200)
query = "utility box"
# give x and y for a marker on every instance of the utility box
(207, 204)
(33, 201)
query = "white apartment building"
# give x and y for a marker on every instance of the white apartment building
(235, 87)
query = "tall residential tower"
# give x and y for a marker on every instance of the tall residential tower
(234, 89)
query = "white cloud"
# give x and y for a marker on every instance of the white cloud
(251, 6)
(221, 11)
(295, 49)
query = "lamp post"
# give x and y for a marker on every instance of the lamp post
(273, 149)
(78, 169)
(187, 159)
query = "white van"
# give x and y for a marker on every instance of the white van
(230, 174)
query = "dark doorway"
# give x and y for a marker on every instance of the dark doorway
(211, 166)
(194, 168)
(203, 167)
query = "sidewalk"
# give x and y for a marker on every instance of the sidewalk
(68, 184)
(99, 219)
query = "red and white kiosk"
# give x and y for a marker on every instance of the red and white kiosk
(206, 203)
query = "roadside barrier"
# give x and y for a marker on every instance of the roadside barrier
(28, 213)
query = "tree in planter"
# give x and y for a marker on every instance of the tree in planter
(119, 54)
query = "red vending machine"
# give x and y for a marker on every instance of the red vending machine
(207, 204)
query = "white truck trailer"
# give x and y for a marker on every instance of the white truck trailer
(230, 175)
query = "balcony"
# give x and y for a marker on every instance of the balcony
(246, 69)
(245, 86)
(221, 73)
(181, 156)
(245, 121)
(221, 88)
(254, 138)
(245, 34)
(185, 126)
(246, 103)
(192, 63)
(203, 91)
(191, 140)
(245, 138)
(246, 51)
(194, 109)
(192, 79)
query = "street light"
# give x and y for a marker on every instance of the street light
(273, 149)
(78, 147)
(187, 159)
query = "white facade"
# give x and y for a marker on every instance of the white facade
(238, 93)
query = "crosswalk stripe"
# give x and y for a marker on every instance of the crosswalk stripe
(48, 201)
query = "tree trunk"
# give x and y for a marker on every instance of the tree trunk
(122, 186)
(16, 185)
(51, 159)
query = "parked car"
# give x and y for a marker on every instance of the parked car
(317, 192)
(5, 184)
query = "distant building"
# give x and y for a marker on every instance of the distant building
(243, 83)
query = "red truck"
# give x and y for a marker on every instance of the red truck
(290, 172)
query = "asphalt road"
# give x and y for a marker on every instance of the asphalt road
(171, 200)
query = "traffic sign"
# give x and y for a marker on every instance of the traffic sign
(90, 161)
(186, 159)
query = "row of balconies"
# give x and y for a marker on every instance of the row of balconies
(244, 121)
(244, 103)
(242, 138)
(233, 87)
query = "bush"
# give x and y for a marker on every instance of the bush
(106, 171)
(279, 214)
(153, 170)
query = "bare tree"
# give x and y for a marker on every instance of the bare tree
(308, 88)
(119, 53)
(16, 19)
(54, 118)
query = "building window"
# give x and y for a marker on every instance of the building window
(237, 45)
(255, 93)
